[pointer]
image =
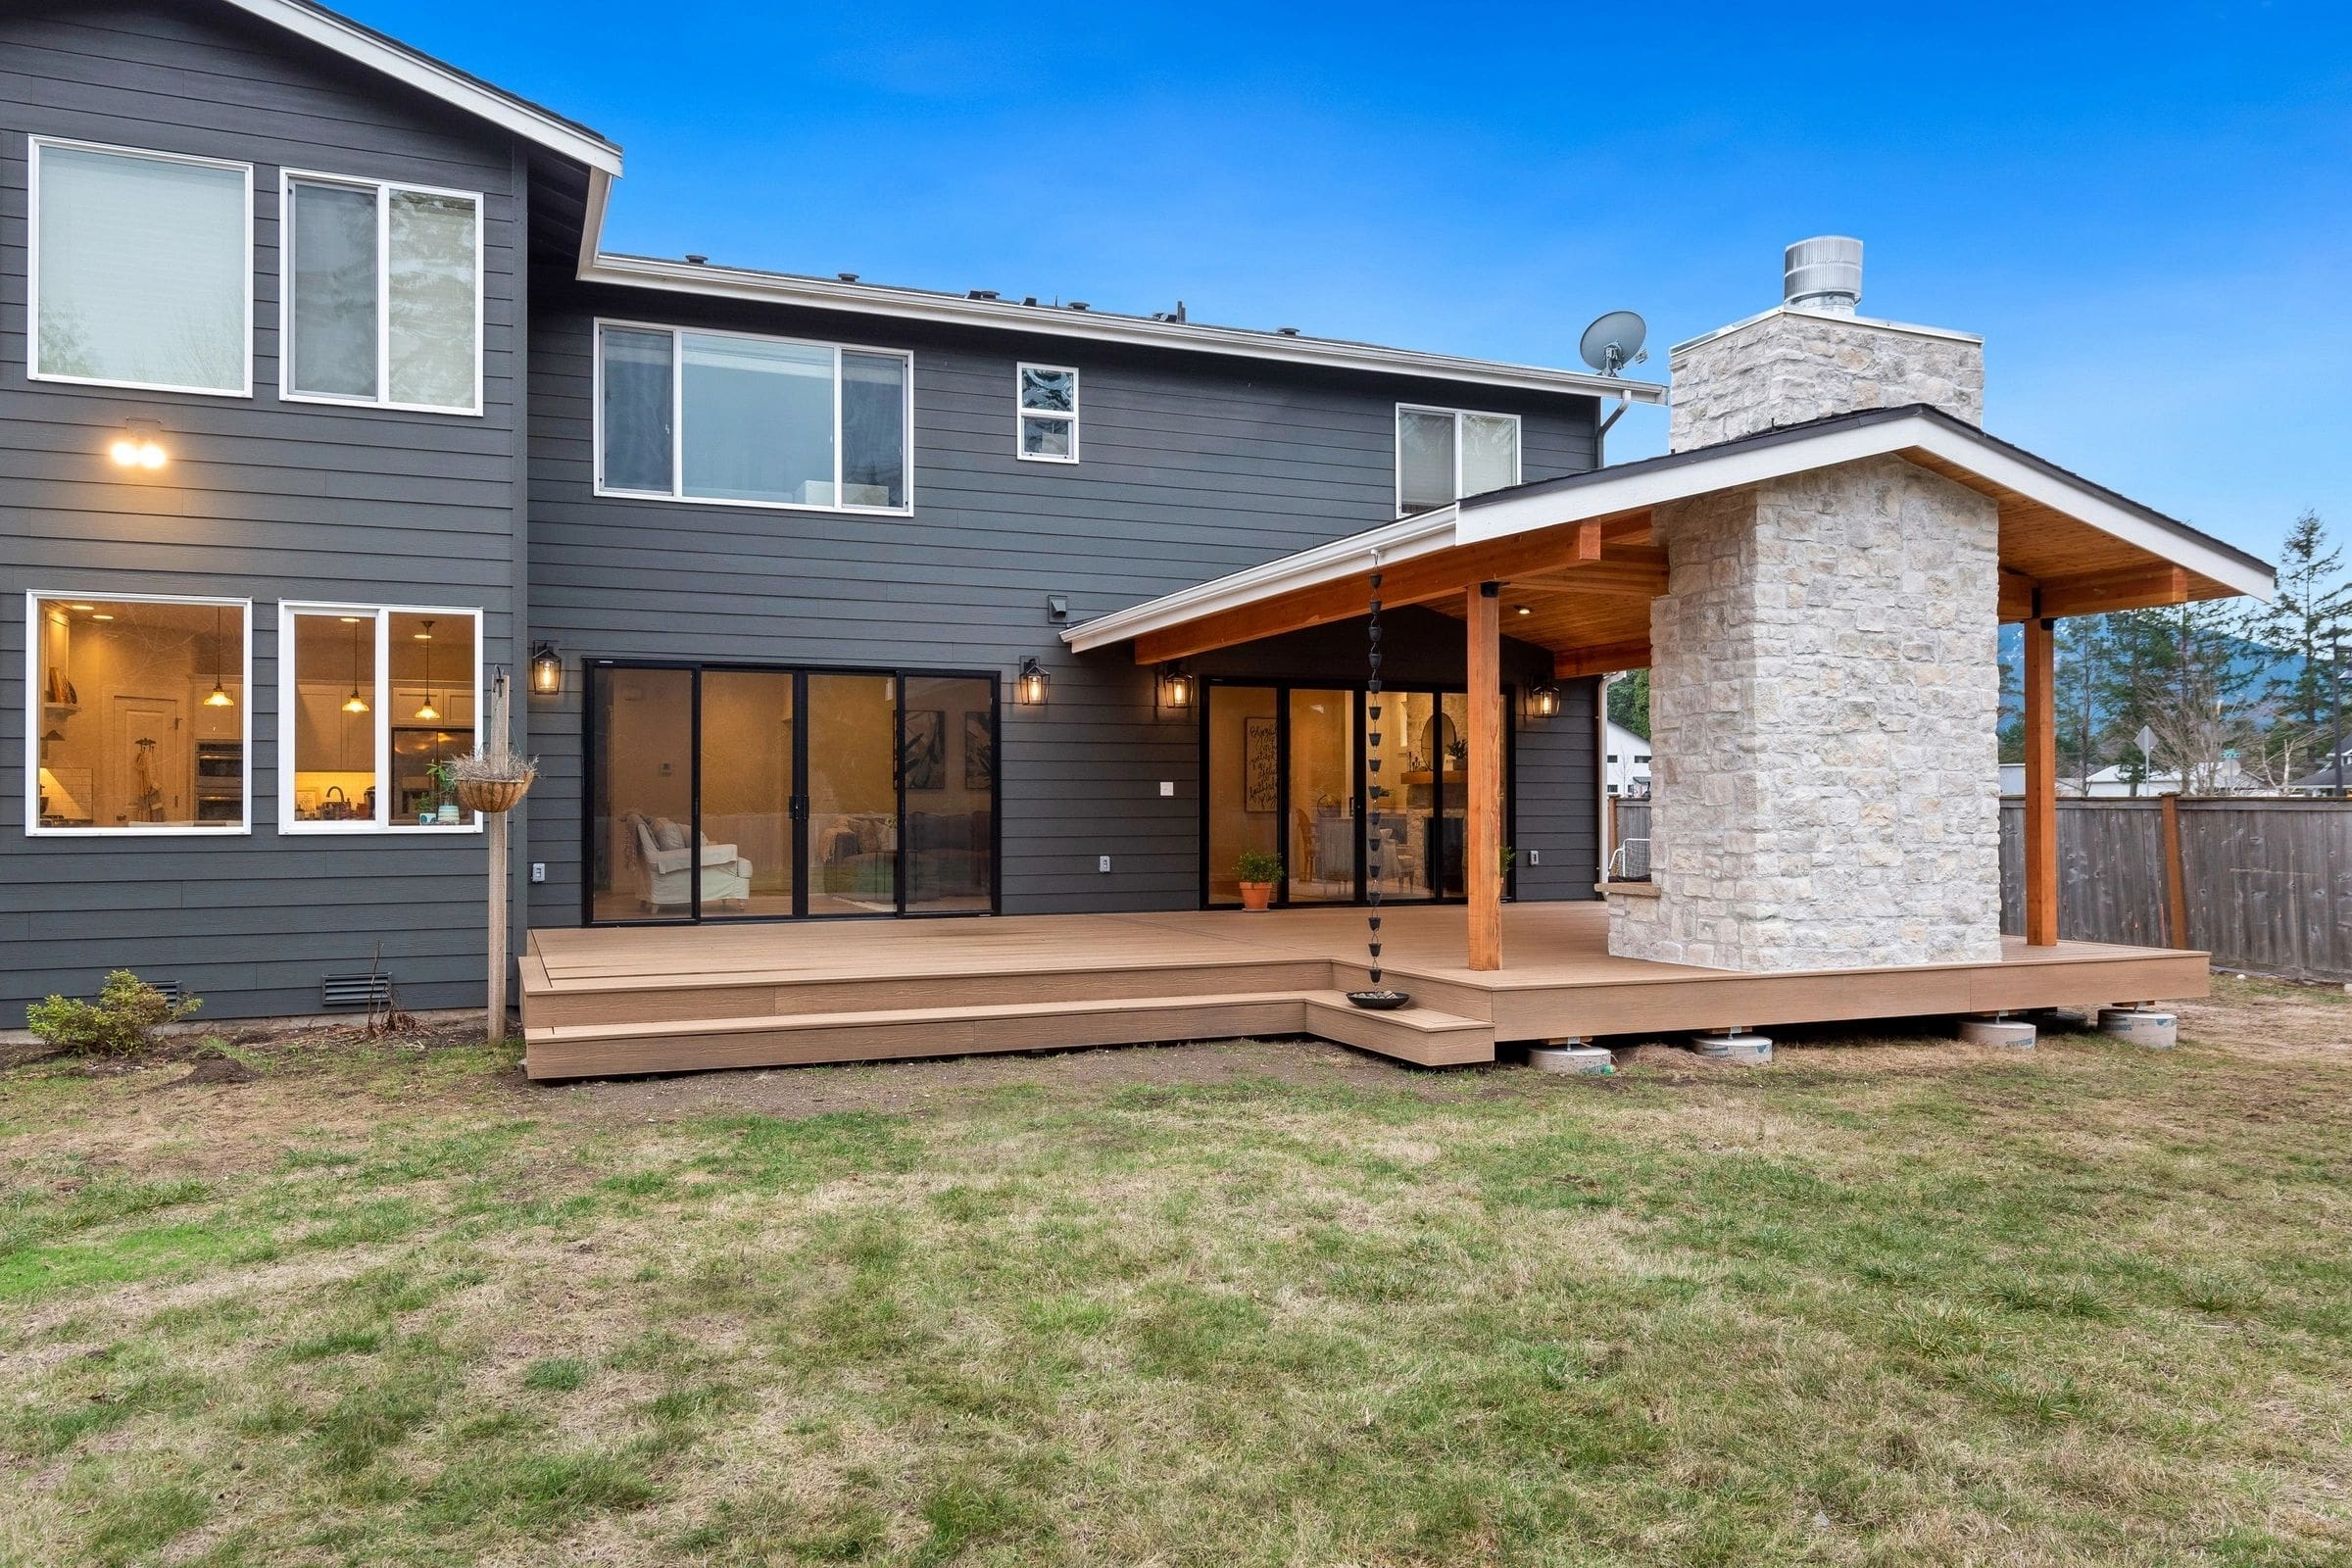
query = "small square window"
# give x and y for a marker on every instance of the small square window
(1045, 400)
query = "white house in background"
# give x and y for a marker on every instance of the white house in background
(1627, 768)
(2110, 782)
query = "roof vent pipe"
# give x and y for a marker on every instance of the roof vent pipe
(1824, 273)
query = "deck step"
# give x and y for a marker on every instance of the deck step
(579, 1050)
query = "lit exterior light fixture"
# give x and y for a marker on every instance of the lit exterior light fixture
(138, 446)
(1543, 701)
(547, 670)
(1029, 688)
(1175, 688)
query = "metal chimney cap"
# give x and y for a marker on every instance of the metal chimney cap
(1823, 274)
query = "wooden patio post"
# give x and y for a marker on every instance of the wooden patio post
(2041, 785)
(495, 830)
(1482, 847)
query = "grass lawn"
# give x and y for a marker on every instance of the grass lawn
(1894, 1302)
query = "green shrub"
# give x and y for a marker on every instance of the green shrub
(119, 1023)
(1257, 865)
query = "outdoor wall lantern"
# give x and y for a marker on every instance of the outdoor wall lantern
(1175, 688)
(1029, 688)
(1543, 701)
(138, 446)
(547, 670)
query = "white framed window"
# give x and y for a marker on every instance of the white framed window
(738, 419)
(379, 294)
(1444, 454)
(1046, 413)
(371, 699)
(142, 268)
(138, 715)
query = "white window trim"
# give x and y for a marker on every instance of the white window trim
(287, 179)
(35, 145)
(1020, 374)
(288, 698)
(34, 720)
(1518, 445)
(677, 418)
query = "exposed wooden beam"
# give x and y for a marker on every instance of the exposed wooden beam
(2041, 785)
(1576, 663)
(1483, 840)
(2140, 589)
(1439, 576)
(2017, 595)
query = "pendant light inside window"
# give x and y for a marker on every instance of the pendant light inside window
(219, 697)
(354, 703)
(428, 712)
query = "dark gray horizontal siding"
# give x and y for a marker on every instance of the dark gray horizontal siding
(1194, 466)
(265, 499)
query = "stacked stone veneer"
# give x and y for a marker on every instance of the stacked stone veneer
(1788, 365)
(1824, 692)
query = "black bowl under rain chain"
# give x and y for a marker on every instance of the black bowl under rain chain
(1378, 999)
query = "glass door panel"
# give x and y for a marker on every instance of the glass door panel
(641, 808)
(1453, 724)
(748, 728)
(947, 765)
(1243, 788)
(852, 852)
(1322, 797)
(1410, 807)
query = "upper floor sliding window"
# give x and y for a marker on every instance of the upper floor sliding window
(762, 421)
(1047, 412)
(138, 715)
(382, 294)
(142, 269)
(1444, 454)
(372, 703)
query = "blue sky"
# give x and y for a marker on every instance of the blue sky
(2146, 210)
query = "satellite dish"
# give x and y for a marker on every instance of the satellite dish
(1614, 342)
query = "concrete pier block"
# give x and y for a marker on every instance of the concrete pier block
(1735, 1044)
(1581, 1060)
(2141, 1026)
(2014, 1033)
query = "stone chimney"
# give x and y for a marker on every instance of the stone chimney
(1811, 356)
(1825, 681)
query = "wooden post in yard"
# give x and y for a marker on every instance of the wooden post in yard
(2175, 880)
(495, 733)
(2041, 785)
(1482, 848)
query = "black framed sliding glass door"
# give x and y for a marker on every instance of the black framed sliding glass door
(1285, 774)
(732, 792)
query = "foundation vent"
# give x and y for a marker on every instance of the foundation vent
(338, 991)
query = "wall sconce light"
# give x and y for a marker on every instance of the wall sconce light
(547, 670)
(1029, 688)
(1175, 688)
(139, 446)
(1543, 701)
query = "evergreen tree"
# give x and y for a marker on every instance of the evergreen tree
(2312, 612)
(1629, 700)
(2080, 676)
(2188, 684)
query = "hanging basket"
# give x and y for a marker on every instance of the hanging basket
(492, 794)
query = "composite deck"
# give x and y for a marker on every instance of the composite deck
(638, 999)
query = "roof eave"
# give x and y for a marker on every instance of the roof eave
(641, 271)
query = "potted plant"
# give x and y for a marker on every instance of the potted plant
(1259, 871)
(445, 790)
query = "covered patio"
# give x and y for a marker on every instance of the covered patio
(617, 1000)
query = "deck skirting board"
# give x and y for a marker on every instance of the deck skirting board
(614, 1001)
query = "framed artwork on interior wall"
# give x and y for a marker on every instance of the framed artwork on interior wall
(1260, 766)
(923, 753)
(979, 753)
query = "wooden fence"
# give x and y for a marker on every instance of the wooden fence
(2265, 885)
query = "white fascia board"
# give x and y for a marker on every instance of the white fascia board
(1403, 540)
(1501, 515)
(826, 294)
(357, 43)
